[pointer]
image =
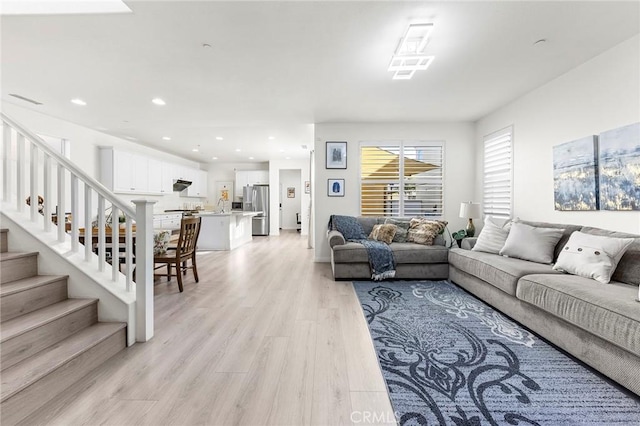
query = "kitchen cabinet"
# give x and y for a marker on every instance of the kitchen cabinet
(124, 172)
(167, 221)
(249, 177)
(130, 173)
(199, 186)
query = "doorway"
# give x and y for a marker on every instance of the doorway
(290, 199)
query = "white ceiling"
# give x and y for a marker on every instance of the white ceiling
(275, 68)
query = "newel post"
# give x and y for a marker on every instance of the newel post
(144, 269)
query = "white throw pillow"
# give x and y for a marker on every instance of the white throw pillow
(531, 243)
(493, 236)
(592, 256)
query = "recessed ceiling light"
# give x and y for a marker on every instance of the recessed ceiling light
(250, 158)
(195, 150)
(158, 101)
(219, 138)
(78, 102)
(166, 138)
(238, 150)
(271, 138)
(287, 158)
(282, 150)
(214, 158)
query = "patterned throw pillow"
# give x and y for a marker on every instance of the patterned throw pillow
(161, 240)
(402, 231)
(424, 231)
(383, 232)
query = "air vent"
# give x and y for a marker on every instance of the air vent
(25, 99)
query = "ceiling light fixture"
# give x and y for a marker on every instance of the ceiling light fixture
(409, 57)
(250, 158)
(166, 138)
(158, 101)
(78, 102)
(238, 150)
(271, 138)
(219, 138)
(214, 158)
(287, 158)
(282, 150)
(196, 149)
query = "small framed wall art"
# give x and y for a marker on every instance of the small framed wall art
(291, 192)
(335, 187)
(336, 155)
(307, 187)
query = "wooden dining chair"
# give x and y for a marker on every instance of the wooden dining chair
(179, 255)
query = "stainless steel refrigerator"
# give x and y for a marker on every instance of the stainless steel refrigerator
(256, 199)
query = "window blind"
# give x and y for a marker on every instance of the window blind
(403, 178)
(498, 174)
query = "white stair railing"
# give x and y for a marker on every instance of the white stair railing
(22, 166)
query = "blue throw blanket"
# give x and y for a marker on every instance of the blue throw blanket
(380, 255)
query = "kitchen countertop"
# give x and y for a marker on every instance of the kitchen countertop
(231, 213)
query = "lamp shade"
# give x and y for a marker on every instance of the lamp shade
(470, 210)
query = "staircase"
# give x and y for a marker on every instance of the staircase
(47, 341)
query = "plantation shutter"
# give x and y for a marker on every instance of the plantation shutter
(498, 174)
(401, 178)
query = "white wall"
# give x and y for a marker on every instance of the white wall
(459, 168)
(84, 149)
(601, 94)
(290, 206)
(223, 172)
(275, 166)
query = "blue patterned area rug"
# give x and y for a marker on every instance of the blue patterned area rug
(450, 359)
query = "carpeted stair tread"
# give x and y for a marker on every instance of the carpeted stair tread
(24, 323)
(28, 283)
(32, 369)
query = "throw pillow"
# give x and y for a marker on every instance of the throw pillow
(161, 240)
(592, 256)
(383, 232)
(401, 231)
(424, 231)
(530, 243)
(492, 237)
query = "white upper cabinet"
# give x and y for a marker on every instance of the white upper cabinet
(126, 172)
(249, 177)
(123, 171)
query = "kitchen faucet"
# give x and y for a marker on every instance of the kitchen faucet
(221, 200)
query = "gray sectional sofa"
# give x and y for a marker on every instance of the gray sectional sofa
(597, 323)
(349, 260)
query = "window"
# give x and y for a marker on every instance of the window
(401, 178)
(498, 175)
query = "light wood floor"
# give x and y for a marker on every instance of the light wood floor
(266, 338)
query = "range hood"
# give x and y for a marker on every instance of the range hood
(181, 185)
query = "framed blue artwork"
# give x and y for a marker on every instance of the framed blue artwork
(335, 187)
(619, 168)
(575, 175)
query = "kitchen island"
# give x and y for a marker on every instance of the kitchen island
(224, 231)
